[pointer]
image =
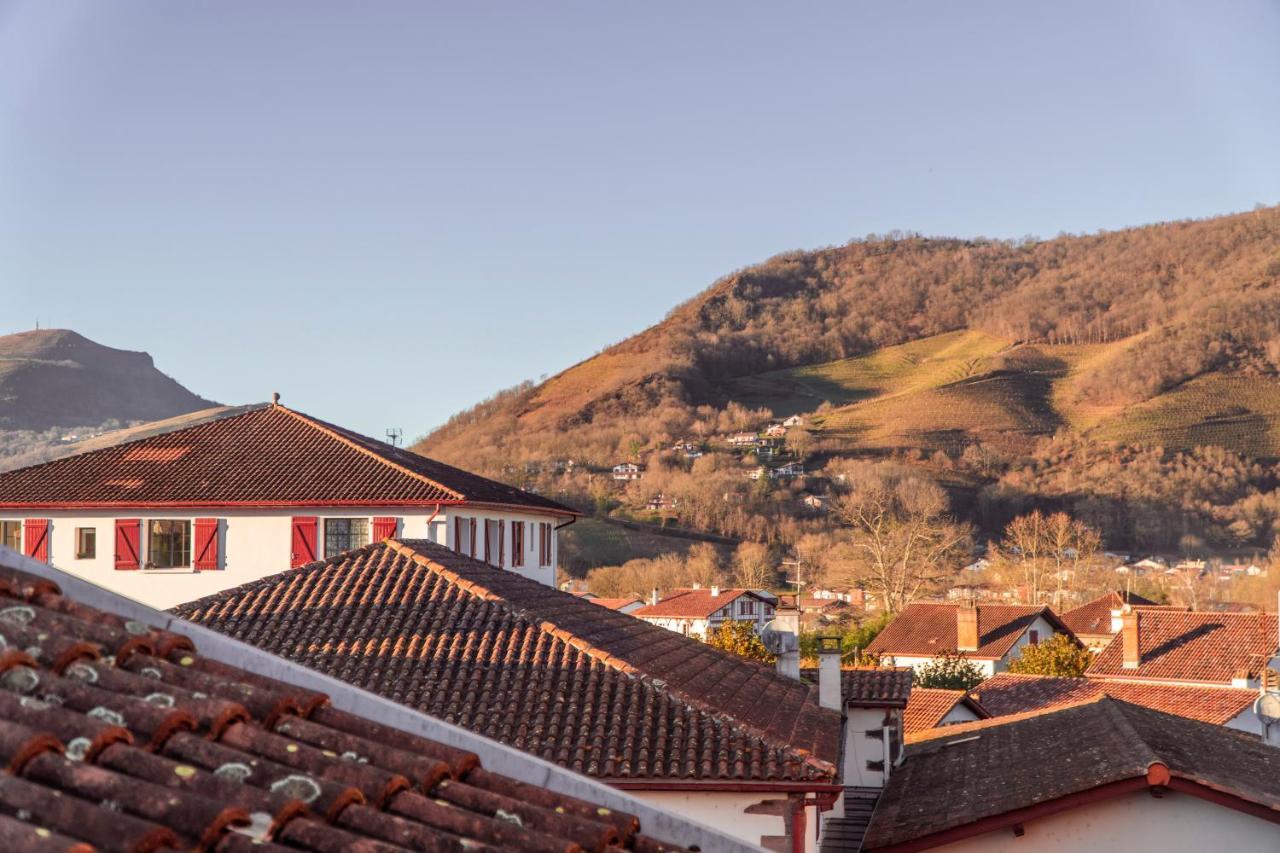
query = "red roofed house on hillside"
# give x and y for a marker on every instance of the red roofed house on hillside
(697, 612)
(990, 635)
(124, 728)
(181, 514)
(729, 742)
(1193, 648)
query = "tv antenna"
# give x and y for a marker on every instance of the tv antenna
(394, 434)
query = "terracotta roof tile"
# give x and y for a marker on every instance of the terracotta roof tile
(592, 689)
(928, 705)
(1010, 693)
(1195, 646)
(692, 603)
(120, 737)
(925, 629)
(870, 685)
(270, 456)
(613, 603)
(959, 775)
(1094, 617)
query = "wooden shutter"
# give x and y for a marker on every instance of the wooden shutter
(471, 534)
(305, 531)
(206, 543)
(128, 533)
(385, 528)
(502, 542)
(35, 539)
(517, 543)
(457, 535)
(488, 541)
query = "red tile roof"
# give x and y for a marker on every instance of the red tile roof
(1094, 617)
(118, 736)
(613, 603)
(928, 705)
(967, 777)
(924, 630)
(1198, 646)
(692, 603)
(268, 456)
(885, 686)
(595, 690)
(1009, 693)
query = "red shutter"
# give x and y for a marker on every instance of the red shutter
(305, 531)
(128, 532)
(471, 533)
(517, 543)
(488, 542)
(206, 544)
(457, 535)
(502, 542)
(35, 539)
(385, 528)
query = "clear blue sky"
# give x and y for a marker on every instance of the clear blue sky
(388, 211)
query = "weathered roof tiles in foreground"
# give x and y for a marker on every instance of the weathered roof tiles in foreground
(266, 456)
(591, 689)
(117, 736)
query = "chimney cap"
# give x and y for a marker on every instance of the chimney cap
(275, 398)
(829, 645)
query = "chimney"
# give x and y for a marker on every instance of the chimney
(829, 673)
(967, 628)
(1130, 630)
(653, 596)
(715, 591)
(787, 622)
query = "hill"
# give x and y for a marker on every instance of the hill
(1166, 336)
(55, 381)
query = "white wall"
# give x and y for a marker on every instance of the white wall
(726, 812)
(859, 749)
(251, 544)
(1138, 821)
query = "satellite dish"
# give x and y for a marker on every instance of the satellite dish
(1267, 708)
(778, 639)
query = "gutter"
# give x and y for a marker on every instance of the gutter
(494, 757)
(150, 505)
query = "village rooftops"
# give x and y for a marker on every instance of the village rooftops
(694, 603)
(927, 629)
(1009, 693)
(929, 706)
(1093, 618)
(267, 456)
(122, 728)
(965, 780)
(1200, 647)
(592, 689)
(868, 686)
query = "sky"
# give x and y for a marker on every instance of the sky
(389, 211)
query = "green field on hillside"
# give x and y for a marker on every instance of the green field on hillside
(591, 542)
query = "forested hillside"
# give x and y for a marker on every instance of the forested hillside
(962, 358)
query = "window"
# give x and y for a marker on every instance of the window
(168, 544)
(748, 607)
(11, 534)
(86, 543)
(343, 534)
(464, 536)
(1035, 637)
(517, 543)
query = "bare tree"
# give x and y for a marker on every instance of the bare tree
(901, 540)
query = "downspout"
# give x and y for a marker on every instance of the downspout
(798, 824)
(432, 518)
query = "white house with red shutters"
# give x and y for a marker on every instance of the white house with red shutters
(185, 513)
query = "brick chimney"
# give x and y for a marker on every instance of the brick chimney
(829, 673)
(1129, 630)
(967, 628)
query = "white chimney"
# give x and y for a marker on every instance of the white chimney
(787, 621)
(829, 691)
(653, 596)
(715, 591)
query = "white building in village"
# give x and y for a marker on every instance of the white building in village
(696, 612)
(182, 514)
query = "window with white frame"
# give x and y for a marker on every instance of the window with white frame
(168, 543)
(343, 534)
(86, 543)
(11, 534)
